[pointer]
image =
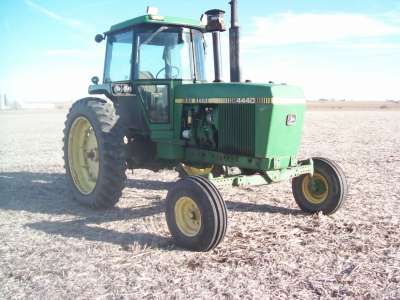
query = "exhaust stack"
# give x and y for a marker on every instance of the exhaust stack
(234, 49)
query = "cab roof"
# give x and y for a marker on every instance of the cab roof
(153, 19)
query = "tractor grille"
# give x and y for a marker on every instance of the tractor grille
(237, 129)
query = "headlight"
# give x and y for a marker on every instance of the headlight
(122, 88)
(127, 89)
(290, 119)
(117, 89)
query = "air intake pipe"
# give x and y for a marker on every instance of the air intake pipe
(215, 24)
(234, 49)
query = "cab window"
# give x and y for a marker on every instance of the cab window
(119, 57)
(165, 53)
(155, 98)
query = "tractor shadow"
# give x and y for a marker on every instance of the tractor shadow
(149, 185)
(48, 196)
(231, 205)
(261, 208)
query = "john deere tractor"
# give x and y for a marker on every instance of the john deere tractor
(155, 109)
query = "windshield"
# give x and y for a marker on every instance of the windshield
(160, 53)
(167, 53)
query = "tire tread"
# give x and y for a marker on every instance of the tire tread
(112, 177)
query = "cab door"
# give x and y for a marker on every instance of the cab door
(162, 58)
(118, 70)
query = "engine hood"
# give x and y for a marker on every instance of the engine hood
(240, 93)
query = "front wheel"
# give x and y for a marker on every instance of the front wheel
(325, 191)
(196, 214)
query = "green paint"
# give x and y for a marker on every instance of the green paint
(280, 139)
(233, 124)
(268, 178)
(170, 151)
(255, 130)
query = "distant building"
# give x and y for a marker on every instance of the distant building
(36, 105)
(10, 104)
(4, 102)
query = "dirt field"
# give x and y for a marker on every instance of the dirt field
(51, 247)
(354, 105)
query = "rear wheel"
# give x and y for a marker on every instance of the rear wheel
(94, 153)
(325, 191)
(196, 214)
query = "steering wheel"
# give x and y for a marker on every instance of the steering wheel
(172, 76)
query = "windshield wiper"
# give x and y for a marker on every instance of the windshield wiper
(150, 38)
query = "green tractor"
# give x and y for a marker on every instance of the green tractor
(155, 110)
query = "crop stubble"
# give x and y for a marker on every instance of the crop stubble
(51, 247)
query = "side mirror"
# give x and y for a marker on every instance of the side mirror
(99, 38)
(95, 80)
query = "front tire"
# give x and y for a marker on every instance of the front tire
(94, 153)
(325, 191)
(196, 214)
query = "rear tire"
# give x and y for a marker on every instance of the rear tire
(94, 153)
(196, 214)
(324, 192)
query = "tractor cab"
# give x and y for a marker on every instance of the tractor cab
(146, 57)
(155, 52)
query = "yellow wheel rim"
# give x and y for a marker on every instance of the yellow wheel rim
(187, 216)
(193, 171)
(83, 155)
(315, 189)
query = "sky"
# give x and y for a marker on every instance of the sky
(342, 49)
